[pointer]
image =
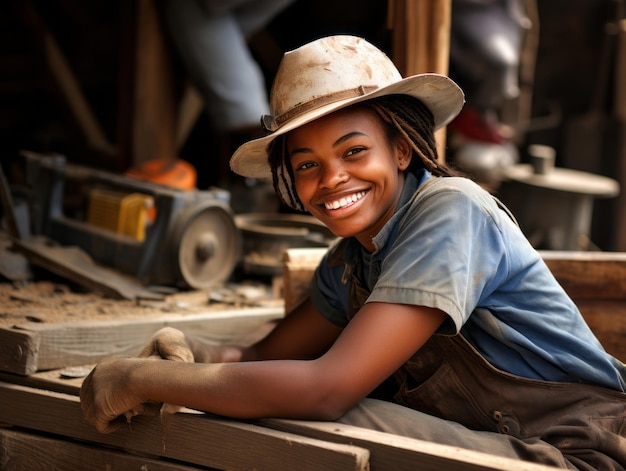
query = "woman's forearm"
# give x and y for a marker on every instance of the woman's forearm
(205, 352)
(243, 390)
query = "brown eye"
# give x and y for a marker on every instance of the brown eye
(354, 151)
(304, 166)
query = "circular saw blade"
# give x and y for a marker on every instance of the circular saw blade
(208, 247)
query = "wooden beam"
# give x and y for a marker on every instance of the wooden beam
(190, 437)
(421, 41)
(619, 236)
(589, 275)
(316, 445)
(19, 351)
(149, 92)
(33, 346)
(297, 270)
(25, 450)
(67, 82)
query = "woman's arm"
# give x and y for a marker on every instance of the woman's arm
(376, 342)
(304, 334)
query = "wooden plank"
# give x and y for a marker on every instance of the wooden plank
(297, 270)
(181, 437)
(190, 437)
(77, 265)
(589, 275)
(399, 453)
(386, 451)
(607, 320)
(19, 351)
(22, 451)
(619, 111)
(52, 380)
(50, 346)
(421, 41)
(156, 94)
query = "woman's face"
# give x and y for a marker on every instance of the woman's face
(347, 173)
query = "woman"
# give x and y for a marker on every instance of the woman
(432, 285)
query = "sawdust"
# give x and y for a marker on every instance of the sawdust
(51, 302)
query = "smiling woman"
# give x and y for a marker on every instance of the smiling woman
(346, 173)
(432, 290)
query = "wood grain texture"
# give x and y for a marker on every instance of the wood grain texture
(199, 439)
(19, 351)
(34, 346)
(190, 437)
(21, 451)
(589, 275)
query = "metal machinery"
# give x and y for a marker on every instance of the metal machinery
(554, 206)
(158, 234)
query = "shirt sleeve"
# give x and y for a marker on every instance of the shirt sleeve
(330, 290)
(448, 252)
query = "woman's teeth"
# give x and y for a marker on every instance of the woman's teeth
(343, 202)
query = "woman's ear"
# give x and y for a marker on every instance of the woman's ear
(404, 153)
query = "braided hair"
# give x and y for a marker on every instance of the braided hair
(402, 116)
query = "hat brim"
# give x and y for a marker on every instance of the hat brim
(439, 93)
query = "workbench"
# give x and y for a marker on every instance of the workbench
(44, 428)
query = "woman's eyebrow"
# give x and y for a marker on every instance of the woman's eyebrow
(347, 136)
(306, 150)
(299, 150)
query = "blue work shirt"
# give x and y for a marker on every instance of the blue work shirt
(452, 246)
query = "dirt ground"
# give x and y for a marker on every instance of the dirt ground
(55, 302)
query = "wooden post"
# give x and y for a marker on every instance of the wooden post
(148, 107)
(619, 236)
(67, 82)
(421, 41)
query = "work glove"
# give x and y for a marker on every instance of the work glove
(167, 344)
(105, 395)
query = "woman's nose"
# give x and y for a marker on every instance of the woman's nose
(333, 174)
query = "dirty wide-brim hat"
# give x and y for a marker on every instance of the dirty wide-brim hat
(331, 73)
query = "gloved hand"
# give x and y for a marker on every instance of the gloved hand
(105, 398)
(167, 343)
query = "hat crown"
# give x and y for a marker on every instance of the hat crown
(328, 70)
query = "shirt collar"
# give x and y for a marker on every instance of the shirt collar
(411, 183)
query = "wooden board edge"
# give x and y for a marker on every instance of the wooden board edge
(24, 450)
(589, 275)
(190, 437)
(19, 351)
(62, 345)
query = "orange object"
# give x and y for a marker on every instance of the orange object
(175, 173)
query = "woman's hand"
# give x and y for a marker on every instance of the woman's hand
(106, 399)
(169, 344)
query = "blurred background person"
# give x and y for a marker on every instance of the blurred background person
(211, 38)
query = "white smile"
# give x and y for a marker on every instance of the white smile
(345, 201)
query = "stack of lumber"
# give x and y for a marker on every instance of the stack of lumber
(47, 432)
